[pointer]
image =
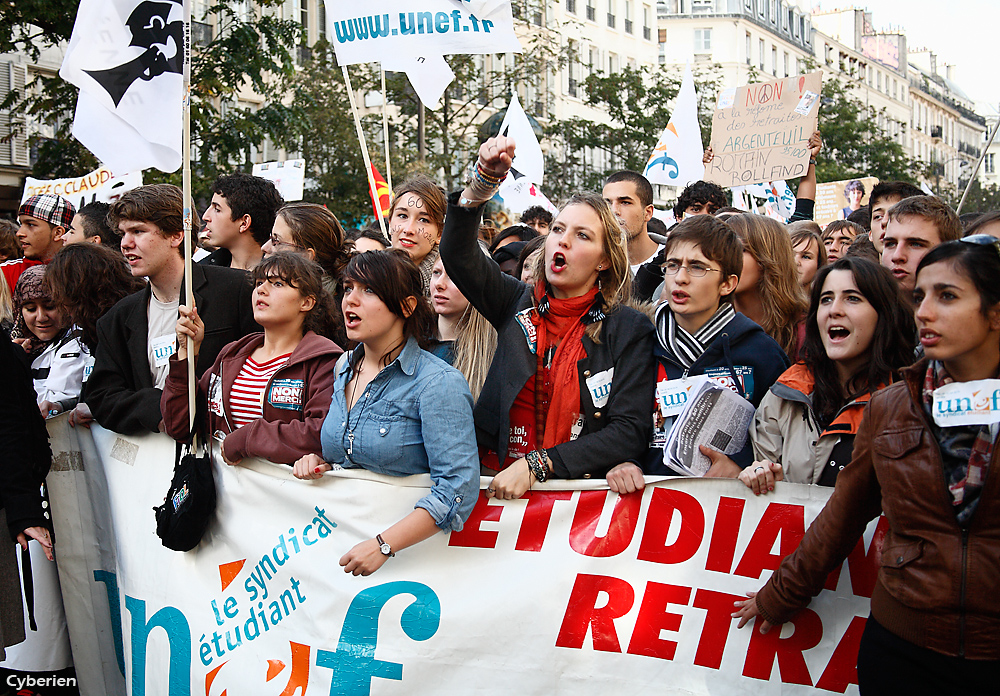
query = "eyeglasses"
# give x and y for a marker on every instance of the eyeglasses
(982, 240)
(695, 270)
(278, 244)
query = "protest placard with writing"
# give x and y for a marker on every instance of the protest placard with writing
(830, 198)
(760, 132)
(99, 185)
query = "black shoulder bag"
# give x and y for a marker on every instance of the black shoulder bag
(189, 506)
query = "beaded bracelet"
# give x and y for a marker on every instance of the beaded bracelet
(535, 466)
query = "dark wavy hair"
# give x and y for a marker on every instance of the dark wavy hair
(87, 280)
(306, 276)
(393, 277)
(980, 263)
(892, 342)
(699, 193)
(251, 195)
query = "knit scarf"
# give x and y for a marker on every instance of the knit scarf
(687, 348)
(559, 326)
(965, 450)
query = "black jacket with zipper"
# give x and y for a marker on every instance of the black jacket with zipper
(613, 432)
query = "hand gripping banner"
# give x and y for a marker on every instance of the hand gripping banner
(572, 589)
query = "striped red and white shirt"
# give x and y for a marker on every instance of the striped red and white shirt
(246, 400)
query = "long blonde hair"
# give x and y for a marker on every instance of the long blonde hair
(615, 281)
(781, 297)
(474, 346)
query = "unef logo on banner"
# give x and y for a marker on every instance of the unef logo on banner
(242, 621)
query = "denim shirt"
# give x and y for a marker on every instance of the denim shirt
(414, 417)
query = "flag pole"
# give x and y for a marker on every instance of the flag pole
(975, 171)
(364, 148)
(385, 130)
(186, 192)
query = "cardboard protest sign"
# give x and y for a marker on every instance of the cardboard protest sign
(99, 185)
(368, 33)
(600, 593)
(830, 198)
(760, 132)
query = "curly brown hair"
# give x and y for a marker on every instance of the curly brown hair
(86, 281)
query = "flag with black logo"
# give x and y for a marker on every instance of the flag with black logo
(127, 58)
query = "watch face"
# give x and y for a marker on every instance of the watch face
(385, 549)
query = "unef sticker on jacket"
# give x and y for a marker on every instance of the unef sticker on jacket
(967, 403)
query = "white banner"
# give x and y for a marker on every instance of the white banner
(99, 185)
(572, 589)
(365, 33)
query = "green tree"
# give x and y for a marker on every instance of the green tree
(636, 101)
(981, 199)
(853, 144)
(482, 85)
(329, 144)
(254, 50)
(31, 25)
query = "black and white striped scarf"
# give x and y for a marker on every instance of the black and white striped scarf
(685, 347)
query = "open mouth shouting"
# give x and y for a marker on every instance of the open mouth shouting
(351, 320)
(558, 264)
(838, 334)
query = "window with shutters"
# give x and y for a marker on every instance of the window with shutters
(13, 138)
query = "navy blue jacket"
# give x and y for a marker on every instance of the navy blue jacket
(742, 354)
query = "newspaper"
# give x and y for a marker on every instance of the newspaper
(714, 416)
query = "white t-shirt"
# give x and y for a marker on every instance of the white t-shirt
(161, 340)
(635, 266)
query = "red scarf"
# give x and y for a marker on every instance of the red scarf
(559, 327)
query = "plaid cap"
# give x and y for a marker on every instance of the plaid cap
(50, 208)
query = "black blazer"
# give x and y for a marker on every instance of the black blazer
(613, 432)
(120, 391)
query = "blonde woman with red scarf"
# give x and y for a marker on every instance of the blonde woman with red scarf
(570, 389)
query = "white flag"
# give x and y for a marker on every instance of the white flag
(676, 159)
(428, 75)
(528, 159)
(126, 56)
(520, 194)
(366, 33)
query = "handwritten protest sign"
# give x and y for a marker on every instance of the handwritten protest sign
(760, 132)
(99, 185)
(830, 198)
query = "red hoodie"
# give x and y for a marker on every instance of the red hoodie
(296, 400)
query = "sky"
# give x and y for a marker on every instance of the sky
(964, 33)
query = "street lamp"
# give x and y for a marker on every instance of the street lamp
(939, 168)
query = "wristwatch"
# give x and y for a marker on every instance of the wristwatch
(384, 547)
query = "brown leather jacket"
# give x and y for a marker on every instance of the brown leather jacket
(937, 583)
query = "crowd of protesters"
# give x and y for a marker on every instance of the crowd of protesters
(536, 352)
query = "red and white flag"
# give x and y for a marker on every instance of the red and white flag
(384, 205)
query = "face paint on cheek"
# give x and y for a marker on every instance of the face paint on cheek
(423, 232)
